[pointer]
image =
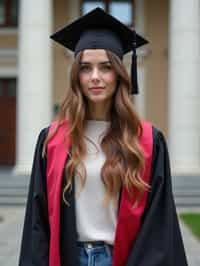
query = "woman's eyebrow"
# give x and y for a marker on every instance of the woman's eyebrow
(89, 63)
(106, 62)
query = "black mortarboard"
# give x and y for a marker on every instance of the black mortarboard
(99, 30)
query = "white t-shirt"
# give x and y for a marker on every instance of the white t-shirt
(95, 221)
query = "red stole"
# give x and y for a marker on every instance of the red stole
(129, 219)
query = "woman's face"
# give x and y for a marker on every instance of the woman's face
(97, 77)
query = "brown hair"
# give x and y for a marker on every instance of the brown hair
(124, 157)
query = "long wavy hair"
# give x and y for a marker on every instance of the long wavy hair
(124, 157)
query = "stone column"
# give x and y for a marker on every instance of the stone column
(140, 99)
(184, 86)
(34, 94)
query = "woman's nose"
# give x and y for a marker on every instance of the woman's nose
(95, 74)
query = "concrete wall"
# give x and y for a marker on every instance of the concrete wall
(8, 42)
(64, 12)
(157, 63)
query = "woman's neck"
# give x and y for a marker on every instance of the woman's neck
(98, 118)
(99, 112)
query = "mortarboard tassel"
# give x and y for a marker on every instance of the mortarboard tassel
(134, 80)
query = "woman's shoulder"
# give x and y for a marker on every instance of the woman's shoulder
(53, 125)
(154, 136)
(159, 137)
(160, 154)
(57, 128)
(43, 133)
(157, 133)
(160, 145)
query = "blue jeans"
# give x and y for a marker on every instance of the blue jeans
(95, 256)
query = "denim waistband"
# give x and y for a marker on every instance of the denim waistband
(95, 244)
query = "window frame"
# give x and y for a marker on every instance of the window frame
(5, 87)
(107, 9)
(8, 18)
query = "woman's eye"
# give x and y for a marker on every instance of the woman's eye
(101, 68)
(84, 68)
(107, 67)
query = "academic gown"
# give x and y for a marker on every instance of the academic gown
(158, 243)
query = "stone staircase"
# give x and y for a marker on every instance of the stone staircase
(14, 189)
(186, 190)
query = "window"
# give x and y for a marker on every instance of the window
(9, 13)
(7, 87)
(87, 6)
(121, 9)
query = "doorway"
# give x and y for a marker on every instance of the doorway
(7, 121)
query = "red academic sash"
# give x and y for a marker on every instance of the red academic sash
(129, 219)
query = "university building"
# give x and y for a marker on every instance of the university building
(34, 72)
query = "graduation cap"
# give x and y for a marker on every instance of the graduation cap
(99, 30)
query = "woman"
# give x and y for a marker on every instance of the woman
(100, 191)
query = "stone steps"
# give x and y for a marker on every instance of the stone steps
(13, 195)
(186, 191)
(12, 201)
(13, 189)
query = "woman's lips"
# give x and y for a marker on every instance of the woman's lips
(96, 90)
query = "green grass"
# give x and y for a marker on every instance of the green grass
(192, 220)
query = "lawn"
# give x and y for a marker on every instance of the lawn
(192, 220)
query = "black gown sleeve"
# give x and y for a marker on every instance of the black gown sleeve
(35, 238)
(159, 242)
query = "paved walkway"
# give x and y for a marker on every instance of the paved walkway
(192, 247)
(10, 235)
(11, 230)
